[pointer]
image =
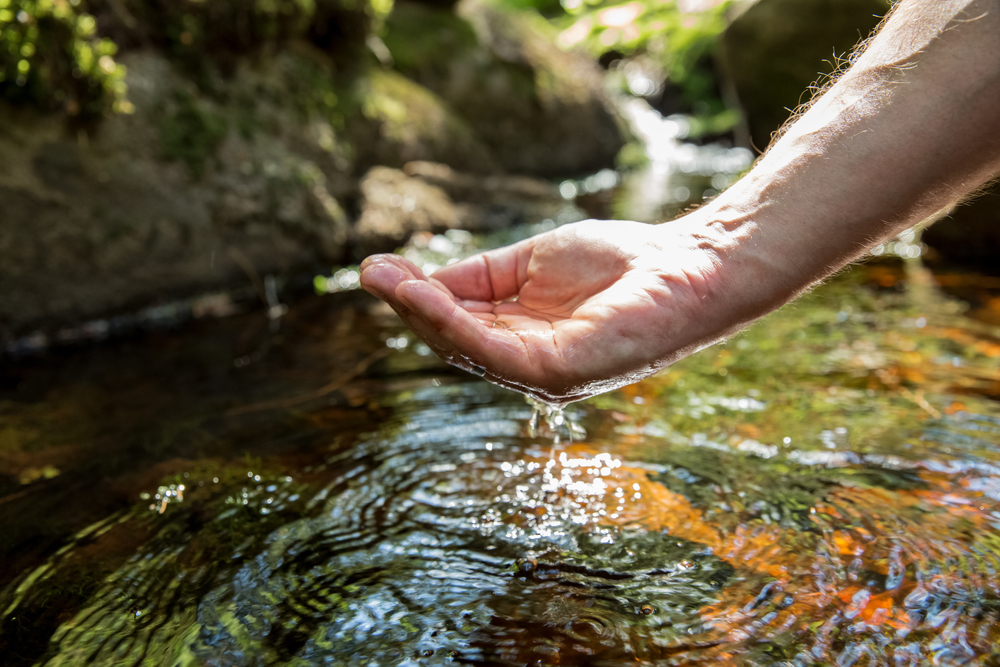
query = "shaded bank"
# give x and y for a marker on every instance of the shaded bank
(243, 157)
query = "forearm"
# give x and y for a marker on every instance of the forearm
(911, 127)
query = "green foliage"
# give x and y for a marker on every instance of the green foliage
(681, 42)
(59, 54)
(551, 8)
(632, 156)
(51, 57)
(191, 133)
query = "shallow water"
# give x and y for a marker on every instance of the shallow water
(317, 488)
(822, 489)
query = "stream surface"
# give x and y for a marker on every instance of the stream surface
(823, 489)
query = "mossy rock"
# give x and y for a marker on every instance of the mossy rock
(398, 120)
(190, 132)
(171, 200)
(201, 35)
(541, 111)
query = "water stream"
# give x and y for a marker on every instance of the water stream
(822, 489)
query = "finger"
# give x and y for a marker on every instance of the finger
(490, 276)
(501, 352)
(429, 335)
(474, 306)
(381, 273)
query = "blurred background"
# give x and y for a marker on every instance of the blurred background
(215, 449)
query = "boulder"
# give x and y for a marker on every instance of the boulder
(970, 233)
(540, 110)
(223, 175)
(394, 206)
(186, 194)
(400, 121)
(433, 197)
(776, 49)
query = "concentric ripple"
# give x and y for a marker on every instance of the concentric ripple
(445, 536)
(835, 501)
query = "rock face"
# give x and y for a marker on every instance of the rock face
(101, 221)
(259, 170)
(776, 49)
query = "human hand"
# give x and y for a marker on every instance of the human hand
(602, 304)
(570, 313)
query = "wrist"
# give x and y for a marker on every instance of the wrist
(757, 261)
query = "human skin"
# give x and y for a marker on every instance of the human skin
(910, 128)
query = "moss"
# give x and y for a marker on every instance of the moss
(682, 42)
(315, 89)
(424, 40)
(245, 117)
(191, 133)
(408, 112)
(59, 55)
(433, 46)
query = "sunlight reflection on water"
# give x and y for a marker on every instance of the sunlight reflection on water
(824, 488)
